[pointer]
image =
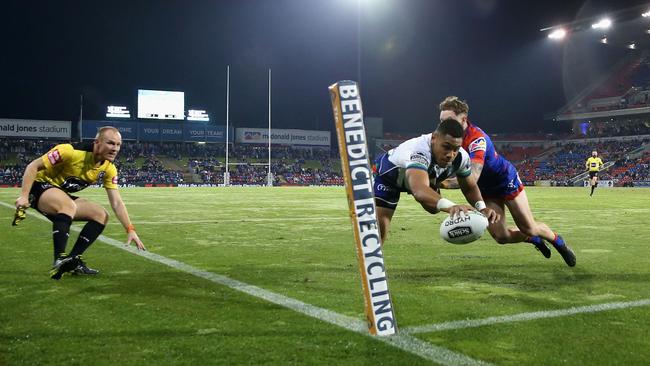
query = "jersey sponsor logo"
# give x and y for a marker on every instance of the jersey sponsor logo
(478, 145)
(73, 184)
(419, 158)
(54, 156)
(384, 188)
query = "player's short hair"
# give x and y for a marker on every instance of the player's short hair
(102, 131)
(450, 127)
(454, 104)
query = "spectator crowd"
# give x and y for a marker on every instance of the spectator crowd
(178, 163)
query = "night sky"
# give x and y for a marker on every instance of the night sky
(407, 55)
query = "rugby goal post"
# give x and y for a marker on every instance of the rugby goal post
(357, 174)
(268, 177)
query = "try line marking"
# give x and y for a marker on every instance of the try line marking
(402, 340)
(473, 323)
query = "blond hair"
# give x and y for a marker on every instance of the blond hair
(102, 131)
(454, 104)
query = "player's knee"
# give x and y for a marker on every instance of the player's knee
(104, 216)
(68, 207)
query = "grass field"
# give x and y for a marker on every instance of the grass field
(183, 304)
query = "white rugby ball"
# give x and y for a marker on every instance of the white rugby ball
(463, 229)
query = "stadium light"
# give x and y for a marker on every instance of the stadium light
(646, 14)
(604, 23)
(603, 40)
(632, 46)
(557, 34)
(647, 31)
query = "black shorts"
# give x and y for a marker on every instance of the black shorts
(37, 190)
(593, 174)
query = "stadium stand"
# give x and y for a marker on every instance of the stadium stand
(619, 127)
(518, 154)
(612, 116)
(560, 160)
(557, 159)
(191, 163)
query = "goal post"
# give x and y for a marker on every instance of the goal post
(357, 174)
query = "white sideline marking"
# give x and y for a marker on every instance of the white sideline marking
(462, 324)
(402, 341)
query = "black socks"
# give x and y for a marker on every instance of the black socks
(87, 236)
(60, 232)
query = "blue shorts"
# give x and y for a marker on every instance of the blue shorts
(384, 183)
(506, 185)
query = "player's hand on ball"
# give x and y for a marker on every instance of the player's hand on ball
(491, 215)
(455, 210)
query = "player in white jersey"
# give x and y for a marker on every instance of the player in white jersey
(418, 166)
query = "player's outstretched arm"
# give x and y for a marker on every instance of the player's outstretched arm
(477, 169)
(119, 208)
(473, 195)
(418, 181)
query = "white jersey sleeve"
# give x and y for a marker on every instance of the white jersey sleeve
(413, 153)
(416, 154)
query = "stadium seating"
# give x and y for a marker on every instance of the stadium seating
(179, 163)
(517, 154)
(627, 86)
(187, 163)
(568, 161)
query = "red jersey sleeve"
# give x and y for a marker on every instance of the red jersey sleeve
(476, 146)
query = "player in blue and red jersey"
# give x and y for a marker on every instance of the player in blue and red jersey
(501, 187)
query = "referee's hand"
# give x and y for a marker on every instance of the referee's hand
(133, 237)
(22, 202)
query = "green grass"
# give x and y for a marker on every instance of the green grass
(298, 242)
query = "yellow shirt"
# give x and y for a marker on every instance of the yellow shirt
(73, 169)
(593, 164)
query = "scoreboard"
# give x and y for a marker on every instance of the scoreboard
(161, 104)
